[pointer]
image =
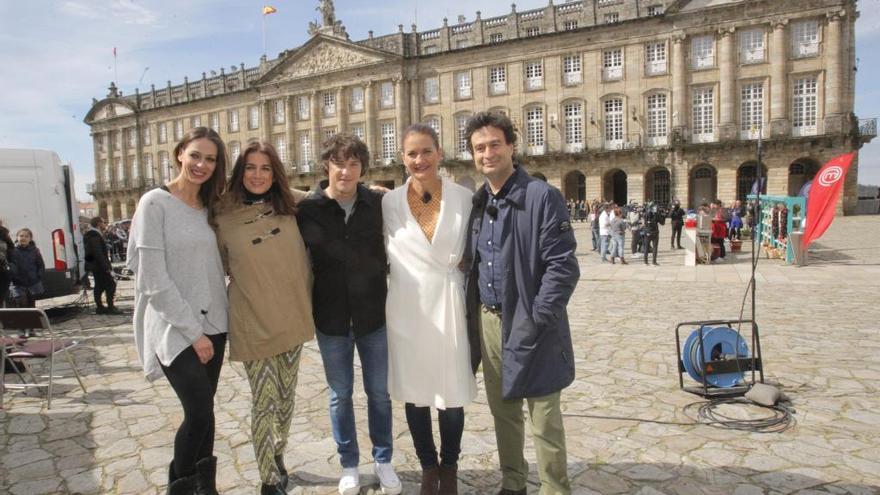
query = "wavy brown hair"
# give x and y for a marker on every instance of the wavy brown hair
(282, 199)
(211, 189)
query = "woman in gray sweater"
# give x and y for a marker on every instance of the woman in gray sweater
(180, 315)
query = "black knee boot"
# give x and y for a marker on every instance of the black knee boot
(180, 486)
(206, 472)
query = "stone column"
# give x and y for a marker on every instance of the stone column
(265, 121)
(679, 88)
(341, 110)
(401, 98)
(315, 114)
(778, 80)
(370, 120)
(834, 119)
(727, 99)
(635, 186)
(289, 131)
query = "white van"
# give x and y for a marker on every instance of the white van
(37, 192)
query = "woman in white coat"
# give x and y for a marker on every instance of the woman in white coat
(428, 354)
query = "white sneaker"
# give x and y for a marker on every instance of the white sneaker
(350, 481)
(388, 479)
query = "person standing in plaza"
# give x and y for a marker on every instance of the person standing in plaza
(341, 224)
(180, 313)
(605, 230)
(270, 310)
(522, 270)
(428, 352)
(676, 217)
(618, 236)
(98, 262)
(27, 272)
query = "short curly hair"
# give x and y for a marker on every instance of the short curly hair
(489, 119)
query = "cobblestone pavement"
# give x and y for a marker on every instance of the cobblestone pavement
(819, 338)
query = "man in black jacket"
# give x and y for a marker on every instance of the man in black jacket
(677, 218)
(341, 225)
(98, 262)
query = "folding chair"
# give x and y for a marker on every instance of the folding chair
(17, 319)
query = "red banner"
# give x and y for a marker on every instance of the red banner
(823, 196)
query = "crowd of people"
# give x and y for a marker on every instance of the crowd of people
(610, 223)
(417, 280)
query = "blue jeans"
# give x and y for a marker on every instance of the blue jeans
(617, 246)
(595, 232)
(337, 353)
(603, 245)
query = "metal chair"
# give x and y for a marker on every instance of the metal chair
(30, 318)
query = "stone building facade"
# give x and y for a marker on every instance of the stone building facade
(626, 100)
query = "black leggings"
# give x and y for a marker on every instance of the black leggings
(195, 385)
(676, 233)
(650, 246)
(451, 428)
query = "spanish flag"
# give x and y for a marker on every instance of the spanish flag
(269, 10)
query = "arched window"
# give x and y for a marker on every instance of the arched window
(535, 130)
(573, 113)
(614, 132)
(461, 148)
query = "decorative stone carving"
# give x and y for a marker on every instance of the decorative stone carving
(327, 58)
(329, 25)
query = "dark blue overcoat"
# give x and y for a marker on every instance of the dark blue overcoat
(541, 272)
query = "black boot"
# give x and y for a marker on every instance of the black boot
(206, 476)
(277, 489)
(279, 462)
(180, 486)
(448, 480)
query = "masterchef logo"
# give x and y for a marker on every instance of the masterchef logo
(830, 175)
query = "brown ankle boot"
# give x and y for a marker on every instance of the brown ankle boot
(448, 480)
(430, 478)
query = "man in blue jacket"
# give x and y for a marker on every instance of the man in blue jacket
(520, 256)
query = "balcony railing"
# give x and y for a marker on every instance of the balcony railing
(868, 129)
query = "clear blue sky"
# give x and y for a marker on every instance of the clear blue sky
(57, 55)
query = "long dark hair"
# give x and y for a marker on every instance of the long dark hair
(211, 190)
(5, 239)
(282, 199)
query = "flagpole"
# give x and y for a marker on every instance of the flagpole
(115, 68)
(264, 34)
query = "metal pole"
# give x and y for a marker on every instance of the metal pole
(755, 241)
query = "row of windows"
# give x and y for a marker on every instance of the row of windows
(804, 119)
(752, 50)
(303, 111)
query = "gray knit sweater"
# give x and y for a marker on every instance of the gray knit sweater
(180, 289)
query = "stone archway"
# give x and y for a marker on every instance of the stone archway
(467, 181)
(800, 172)
(703, 185)
(614, 186)
(745, 179)
(658, 186)
(574, 186)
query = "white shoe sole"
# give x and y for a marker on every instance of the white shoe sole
(350, 491)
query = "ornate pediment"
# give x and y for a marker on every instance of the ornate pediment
(324, 58)
(112, 110)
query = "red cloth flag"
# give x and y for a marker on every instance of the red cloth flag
(823, 196)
